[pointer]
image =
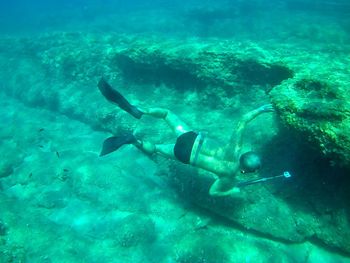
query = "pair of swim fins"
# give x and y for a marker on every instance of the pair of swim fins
(113, 143)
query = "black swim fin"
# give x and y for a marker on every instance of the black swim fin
(112, 144)
(114, 96)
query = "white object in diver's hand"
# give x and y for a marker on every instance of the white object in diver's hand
(286, 174)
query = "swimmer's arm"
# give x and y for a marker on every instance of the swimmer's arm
(248, 117)
(254, 113)
(215, 190)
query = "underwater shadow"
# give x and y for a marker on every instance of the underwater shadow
(156, 71)
(317, 184)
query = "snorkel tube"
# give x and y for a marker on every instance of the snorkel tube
(285, 174)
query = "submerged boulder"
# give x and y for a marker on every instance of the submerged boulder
(318, 109)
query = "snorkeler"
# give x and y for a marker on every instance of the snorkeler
(191, 147)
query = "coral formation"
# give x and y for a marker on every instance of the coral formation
(320, 111)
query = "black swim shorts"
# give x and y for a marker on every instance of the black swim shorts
(183, 146)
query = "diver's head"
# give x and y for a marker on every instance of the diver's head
(249, 162)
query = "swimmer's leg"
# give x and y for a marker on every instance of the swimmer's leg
(116, 97)
(166, 150)
(113, 143)
(173, 121)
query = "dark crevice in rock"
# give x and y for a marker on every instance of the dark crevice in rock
(320, 243)
(157, 72)
(254, 73)
(315, 89)
(318, 187)
(220, 220)
(3, 228)
(317, 179)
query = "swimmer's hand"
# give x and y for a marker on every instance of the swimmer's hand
(236, 194)
(235, 191)
(266, 108)
(224, 187)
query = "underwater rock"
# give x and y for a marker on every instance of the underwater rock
(201, 246)
(135, 230)
(69, 72)
(198, 67)
(6, 169)
(214, 245)
(258, 211)
(3, 228)
(266, 215)
(319, 110)
(13, 157)
(52, 199)
(13, 253)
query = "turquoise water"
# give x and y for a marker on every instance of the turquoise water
(210, 63)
